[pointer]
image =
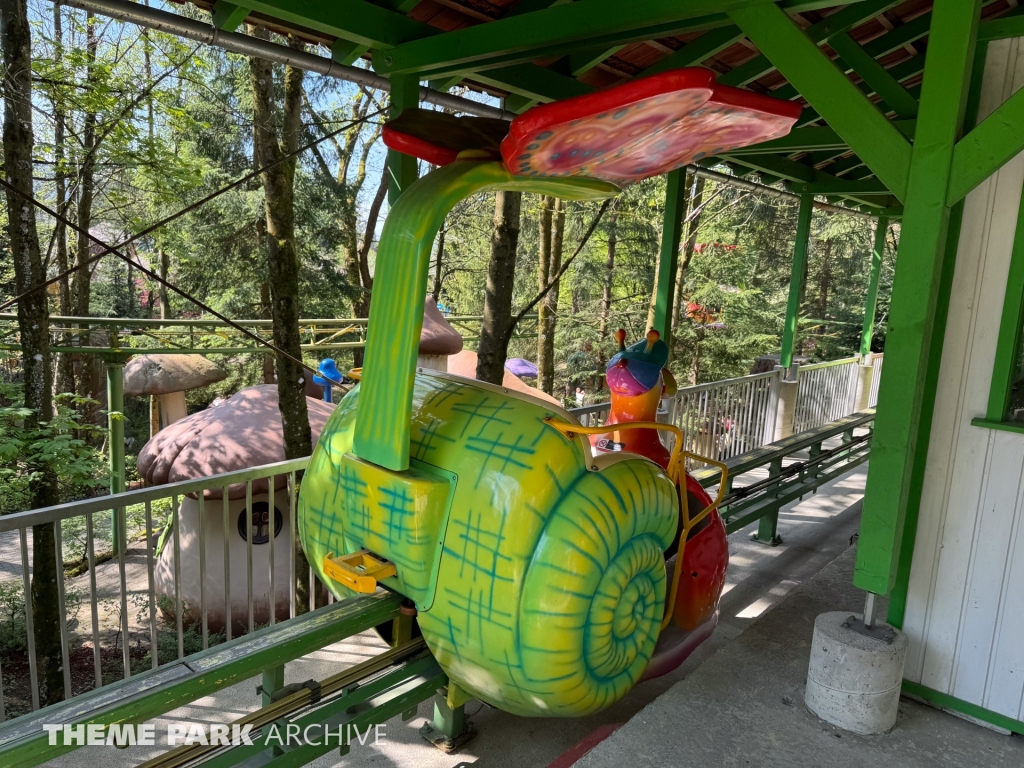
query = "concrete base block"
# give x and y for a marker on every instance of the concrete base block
(853, 680)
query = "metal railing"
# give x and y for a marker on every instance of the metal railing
(591, 415)
(826, 392)
(722, 419)
(152, 521)
(876, 379)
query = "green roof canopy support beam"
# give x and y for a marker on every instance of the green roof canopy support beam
(563, 28)
(797, 280)
(875, 75)
(1010, 25)
(987, 148)
(701, 49)
(897, 453)
(402, 168)
(885, 150)
(871, 300)
(668, 256)
(228, 17)
(822, 32)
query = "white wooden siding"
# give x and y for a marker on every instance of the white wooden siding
(965, 606)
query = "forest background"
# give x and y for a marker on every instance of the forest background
(131, 126)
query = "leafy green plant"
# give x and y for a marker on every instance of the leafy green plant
(61, 445)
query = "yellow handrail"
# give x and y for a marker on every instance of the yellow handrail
(570, 431)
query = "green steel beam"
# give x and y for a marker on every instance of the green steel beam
(346, 52)
(668, 256)
(227, 17)
(811, 139)
(807, 179)
(402, 168)
(828, 90)
(703, 48)
(532, 6)
(1010, 25)
(531, 81)
(560, 29)
(987, 148)
(875, 75)
(798, 276)
(585, 59)
(871, 300)
(912, 318)
(822, 32)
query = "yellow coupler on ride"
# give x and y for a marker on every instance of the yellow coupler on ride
(537, 570)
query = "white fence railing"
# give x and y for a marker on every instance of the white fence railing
(876, 379)
(825, 392)
(194, 570)
(722, 419)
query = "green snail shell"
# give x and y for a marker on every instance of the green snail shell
(549, 585)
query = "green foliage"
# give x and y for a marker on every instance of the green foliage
(60, 445)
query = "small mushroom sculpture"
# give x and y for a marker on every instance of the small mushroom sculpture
(243, 432)
(166, 378)
(438, 340)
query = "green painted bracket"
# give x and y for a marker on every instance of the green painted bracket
(987, 148)
(822, 32)
(396, 313)
(885, 150)
(552, 32)
(346, 52)
(875, 75)
(701, 49)
(228, 16)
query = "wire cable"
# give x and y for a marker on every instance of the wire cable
(187, 209)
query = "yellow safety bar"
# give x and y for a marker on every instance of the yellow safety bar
(570, 431)
(359, 571)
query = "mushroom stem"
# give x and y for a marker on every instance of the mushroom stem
(154, 415)
(172, 408)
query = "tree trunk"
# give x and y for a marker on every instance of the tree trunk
(265, 313)
(696, 198)
(545, 347)
(65, 363)
(438, 267)
(33, 316)
(165, 299)
(823, 286)
(547, 379)
(609, 271)
(501, 270)
(363, 262)
(283, 262)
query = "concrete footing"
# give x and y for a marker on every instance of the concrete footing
(853, 679)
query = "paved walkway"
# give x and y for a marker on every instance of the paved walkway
(744, 706)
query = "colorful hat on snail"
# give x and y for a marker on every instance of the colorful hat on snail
(622, 134)
(642, 361)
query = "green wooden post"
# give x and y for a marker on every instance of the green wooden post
(796, 280)
(896, 456)
(871, 301)
(668, 258)
(402, 168)
(115, 437)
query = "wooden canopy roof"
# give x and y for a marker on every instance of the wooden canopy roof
(532, 51)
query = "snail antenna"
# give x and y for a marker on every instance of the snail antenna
(620, 336)
(652, 338)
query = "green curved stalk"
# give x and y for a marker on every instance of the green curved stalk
(399, 291)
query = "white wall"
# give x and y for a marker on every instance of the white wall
(965, 610)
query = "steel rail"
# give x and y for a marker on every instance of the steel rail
(175, 24)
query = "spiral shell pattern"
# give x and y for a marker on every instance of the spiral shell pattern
(594, 593)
